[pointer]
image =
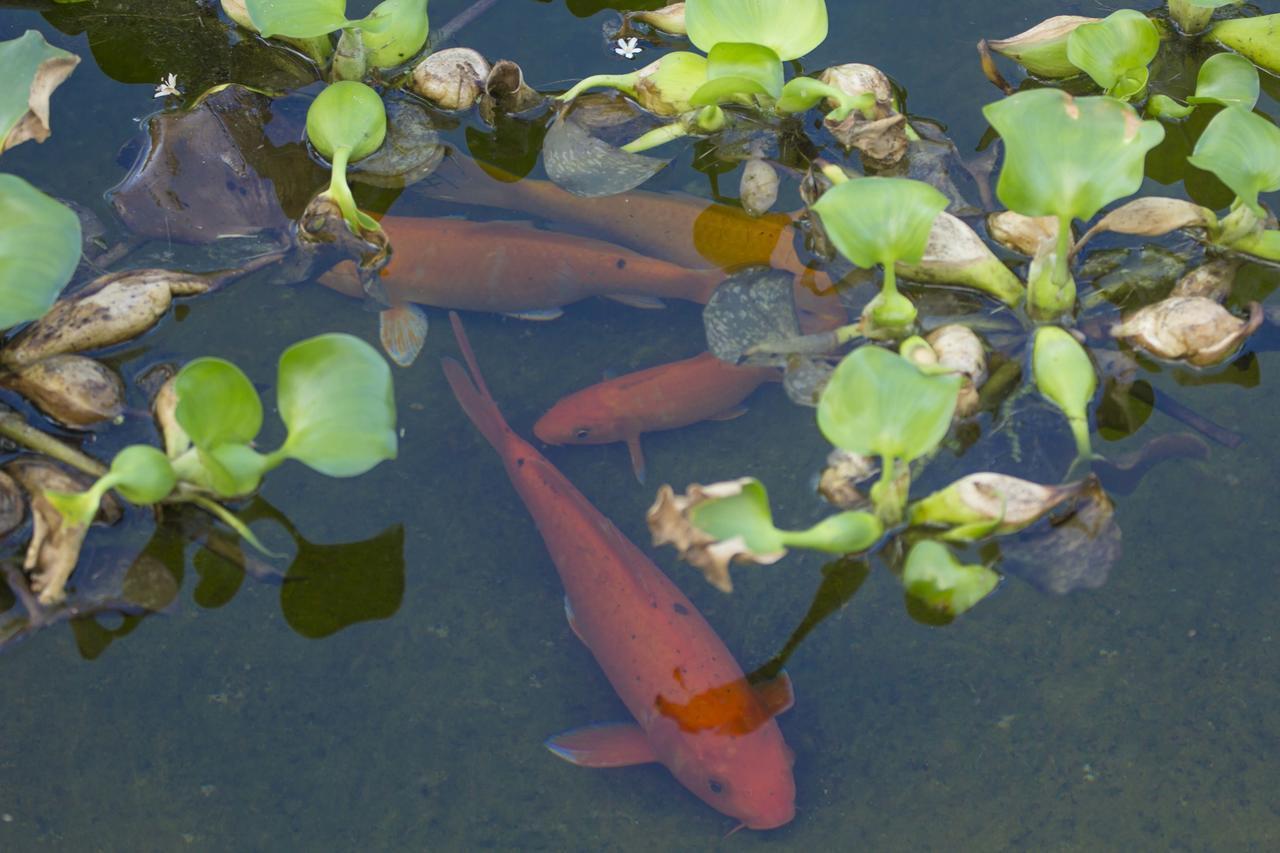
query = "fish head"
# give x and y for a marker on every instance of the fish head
(747, 777)
(579, 419)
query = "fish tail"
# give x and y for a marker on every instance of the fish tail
(473, 395)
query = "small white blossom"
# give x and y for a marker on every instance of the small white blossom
(628, 48)
(168, 86)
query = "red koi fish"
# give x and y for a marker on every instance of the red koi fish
(694, 711)
(509, 268)
(668, 396)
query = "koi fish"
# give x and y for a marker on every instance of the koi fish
(683, 229)
(668, 396)
(510, 268)
(694, 711)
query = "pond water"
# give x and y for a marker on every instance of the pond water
(396, 692)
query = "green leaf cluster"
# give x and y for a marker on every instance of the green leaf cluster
(391, 33)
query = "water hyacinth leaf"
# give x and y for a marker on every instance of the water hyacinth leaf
(752, 62)
(217, 404)
(234, 470)
(879, 404)
(31, 69)
(1162, 106)
(142, 474)
(1042, 50)
(39, 250)
(1115, 51)
(1243, 149)
(347, 115)
(394, 31)
(1065, 376)
(790, 28)
(880, 220)
(1227, 79)
(297, 18)
(842, 533)
(663, 87)
(1068, 157)
(590, 167)
(750, 308)
(745, 515)
(935, 577)
(1256, 39)
(1192, 16)
(336, 399)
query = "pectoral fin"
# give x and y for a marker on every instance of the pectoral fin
(403, 331)
(536, 315)
(776, 694)
(605, 745)
(637, 456)
(573, 623)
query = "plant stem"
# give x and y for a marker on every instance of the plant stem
(622, 82)
(15, 428)
(654, 138)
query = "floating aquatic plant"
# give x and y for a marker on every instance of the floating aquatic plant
(31, 69)
(346, 122)
(39, 250)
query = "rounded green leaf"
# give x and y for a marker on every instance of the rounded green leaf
(936, 578)
(880, 220)
(1115, 50)
(1062, 371)
(142, 474)
(31, 69)
(297, 18)
(751, 61)
(347, 115)
(724, 90)
(336, 399)
(791, 28)
(39, 250)
(1068, 156)
(1243, 149)
(745, 514)
(842, 533)
(1227, 79)
(217, 404)
(233, 469)
(394, 31)
(878, 403)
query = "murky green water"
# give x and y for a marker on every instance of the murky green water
(1141, 715)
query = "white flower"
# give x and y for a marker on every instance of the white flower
(628, 48)
(168, 86)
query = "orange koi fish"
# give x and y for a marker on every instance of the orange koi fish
(509, 268)
(668, 396)
(665, 662)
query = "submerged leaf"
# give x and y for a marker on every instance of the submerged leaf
(750, 308)
(1074, 550)
(590, 167)
(933, 576)
(31, 69)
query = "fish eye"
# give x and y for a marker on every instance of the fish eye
(717, 787)
(582, 433)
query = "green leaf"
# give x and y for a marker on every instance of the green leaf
(394, 31)
(1115, 51)
(1243, 149)
(347, 115)
(39, 250)
(1065, 376)
(842, 533)
(217, 403)
(142, 474)
(31, 69)
(1068, 157)
(878, 403)
(234, 469)
(935, 577)
(746, 514)
(880, 220)
(297, 18)
(336, 399)
(751, 61)
(1256, 39)
(1162, 106)
(791, 28)
(1227, 79)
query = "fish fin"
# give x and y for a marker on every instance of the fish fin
(729, 414)
(604, 745)
(573, 623)
(536, 315)
(637, 456)
(638, 300)
(403, 331)
(469, 388)
(775, 694)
